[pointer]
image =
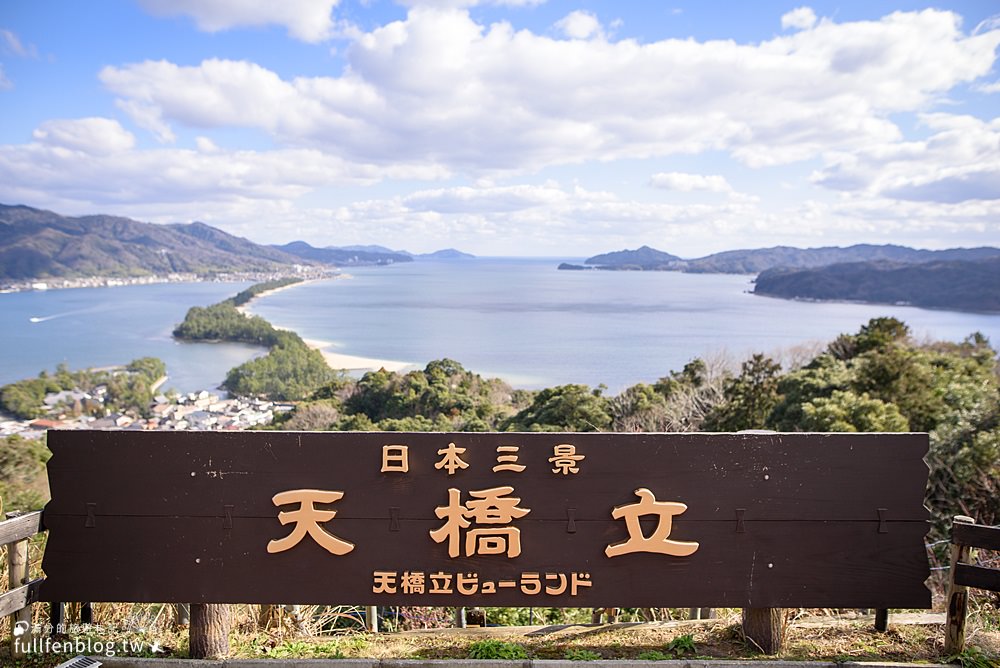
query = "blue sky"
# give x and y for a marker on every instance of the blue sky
(511, 127)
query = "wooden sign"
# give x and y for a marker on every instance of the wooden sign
(540, 519)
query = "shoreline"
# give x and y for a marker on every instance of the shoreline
(335, 360)
(61, 283)
(344, 362)
(242, 308)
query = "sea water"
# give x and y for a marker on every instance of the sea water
(535, 326)
(521, 320)
(98, 327)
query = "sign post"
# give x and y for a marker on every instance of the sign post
(500, 519)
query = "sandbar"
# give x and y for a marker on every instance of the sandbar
(355, 362)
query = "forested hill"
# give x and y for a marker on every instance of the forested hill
(753, 261)
(38, 244)
(344, 256)
(641, 258)
(368, 254)
(953, 285)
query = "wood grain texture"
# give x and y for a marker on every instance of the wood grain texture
(209, 632)
(20, 527)
(765, 628)
(978, 577)
(976, 535)
(19, 598)
(958, 594)
(187, 517)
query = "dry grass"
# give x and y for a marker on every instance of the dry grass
(812, 635)
(822, 635)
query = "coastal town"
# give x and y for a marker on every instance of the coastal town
(305, 272)
(198, 411)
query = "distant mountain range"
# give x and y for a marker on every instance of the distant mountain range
(343, 256)
(955, 285)
(964, 279)
(761, 259)
(366, 254)
(444, 254)
(41, 244)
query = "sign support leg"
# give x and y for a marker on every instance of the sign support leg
(209, 632)
(765, 628)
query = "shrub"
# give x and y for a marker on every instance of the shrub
(496, 649)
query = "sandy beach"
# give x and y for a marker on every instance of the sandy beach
(243, 308)
(334, 359)
(353, 362)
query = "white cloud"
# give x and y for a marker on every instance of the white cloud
(683, 182)
(987, 24)
(206, 145)
(5, 83)
(439, 90)
(93, 136)
(562, 220)
(580, 25)
(94, 163)
(801, 18)
(306, 20)
(548, 218)
(452, 4)
(66, 169)
(438, 95)
(12, 44)
(959, 162)
(989, 87)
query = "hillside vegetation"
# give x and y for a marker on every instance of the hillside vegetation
(40, 244)
(955, 285)
(877, 379)
(290, 370)
(124, 388)
(753, 261)
(343, 256)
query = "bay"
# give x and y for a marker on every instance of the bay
(97, 327)
(535, 326)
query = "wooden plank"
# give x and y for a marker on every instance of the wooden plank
(976, 535)
(834, 564)
(771, 477)
(958, 595)
(21, 527)
(17, 576)
(762, 520)
(978, 577)
(20, 598)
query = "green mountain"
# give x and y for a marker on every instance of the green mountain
(762, 259)
(355, 256)
(756, 260)
(447, 254)
(39, 244)
(954, 285)
(644, 258)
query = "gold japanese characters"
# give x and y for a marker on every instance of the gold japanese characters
(481, 522)
(492, 507)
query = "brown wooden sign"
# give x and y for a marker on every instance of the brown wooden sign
(541, 519)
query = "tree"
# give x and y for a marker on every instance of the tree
(290, 372)
(563, 408)
(749, 398)
(847, 411)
